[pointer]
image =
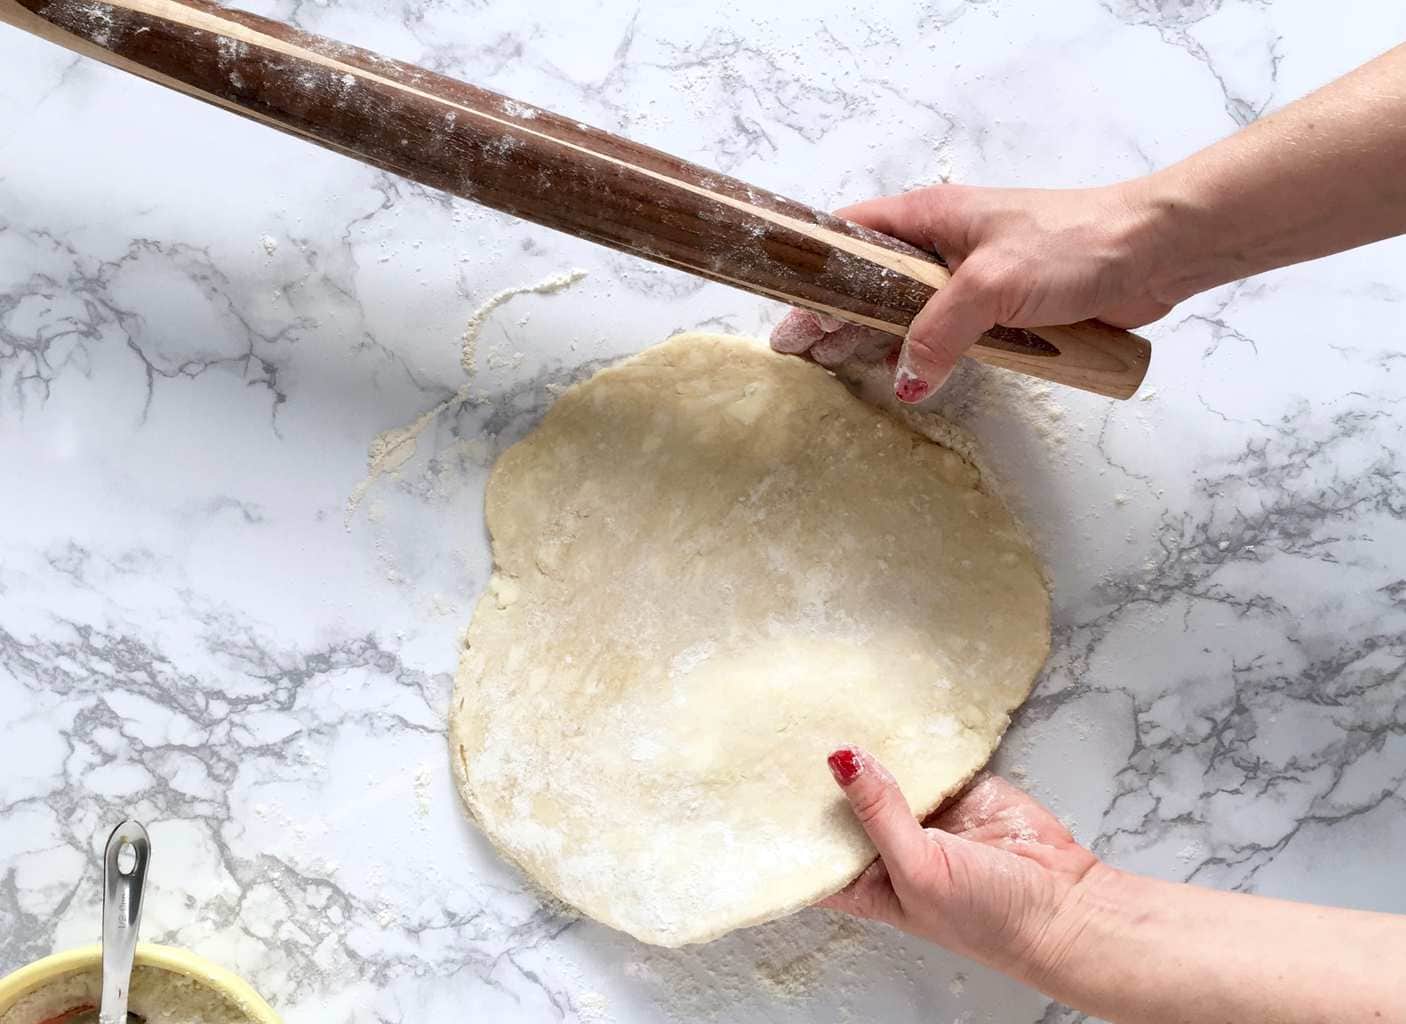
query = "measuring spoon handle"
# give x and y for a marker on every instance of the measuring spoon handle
(122, 915)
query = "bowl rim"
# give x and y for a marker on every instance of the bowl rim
(31, 977)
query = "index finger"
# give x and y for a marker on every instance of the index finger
(929, 218)
(893, 215)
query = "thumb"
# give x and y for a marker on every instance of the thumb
(951, 322)
(879, 805)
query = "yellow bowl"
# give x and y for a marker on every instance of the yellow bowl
(41, 973)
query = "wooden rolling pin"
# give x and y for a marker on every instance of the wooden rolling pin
(551, 170)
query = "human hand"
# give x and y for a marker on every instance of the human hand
(996, 878)
(1019, 257)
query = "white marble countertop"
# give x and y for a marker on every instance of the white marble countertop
(204, 324)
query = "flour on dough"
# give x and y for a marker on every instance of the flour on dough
(713, 565)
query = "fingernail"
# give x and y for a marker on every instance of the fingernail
(909, 387)
(845, 765)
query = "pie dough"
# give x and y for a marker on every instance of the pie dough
(714, 565)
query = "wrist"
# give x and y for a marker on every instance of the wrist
(1166, 237)
(1080, 932)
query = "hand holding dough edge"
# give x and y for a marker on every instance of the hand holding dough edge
(998, 879)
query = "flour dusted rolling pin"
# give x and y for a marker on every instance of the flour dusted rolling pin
(551, 170)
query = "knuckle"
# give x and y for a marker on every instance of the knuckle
(932, 868)
(923, 341)
(918, 202)
(986, 279)
(997, 286)
(834, 348)
(870, 807)
(799, 330)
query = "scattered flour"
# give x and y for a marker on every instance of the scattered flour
(1195, 850)
(270, 244)
(593, 1008)
(690, 658)
(423, 777)
(784, 965)
(468, 353)
(391, 449)
(519, 110)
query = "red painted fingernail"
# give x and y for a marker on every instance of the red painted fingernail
(909, 387)
(845, 765)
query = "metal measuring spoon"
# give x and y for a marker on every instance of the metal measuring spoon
(122, 914)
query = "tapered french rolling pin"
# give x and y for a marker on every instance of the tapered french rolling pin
(549, 169)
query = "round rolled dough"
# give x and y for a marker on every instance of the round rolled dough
(713, 565)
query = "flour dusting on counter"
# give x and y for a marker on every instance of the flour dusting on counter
(788, 963)
(468, 355)
(393, 448)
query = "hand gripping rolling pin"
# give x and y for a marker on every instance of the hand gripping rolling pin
(553, 171)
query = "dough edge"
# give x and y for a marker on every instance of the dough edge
(930, 428)
(671, 940)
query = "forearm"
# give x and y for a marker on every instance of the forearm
(1140, 951)
(1324, 174)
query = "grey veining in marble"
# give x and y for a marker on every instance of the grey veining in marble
(204, 325)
